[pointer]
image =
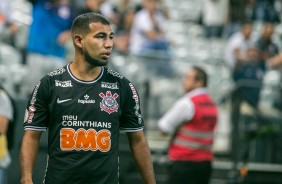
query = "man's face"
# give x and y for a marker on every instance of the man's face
(97, 44)
(189, 83)
(150, 5)
(247, 31)
(268, 30)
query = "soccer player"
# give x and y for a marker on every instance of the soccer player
(84, 105)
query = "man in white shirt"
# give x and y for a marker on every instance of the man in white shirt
(147, 31)
(237, 45)
(215, 13)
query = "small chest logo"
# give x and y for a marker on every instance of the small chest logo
(63, 84)
(86, 100)
(109, 85)
(109, 103)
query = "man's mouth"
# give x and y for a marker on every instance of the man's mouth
(106, 54)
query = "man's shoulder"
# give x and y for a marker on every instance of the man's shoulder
(142, 15)
(114, 74)
(52, 76)
(141, 12)
(57, 72)
(117, 78)
(235, 37)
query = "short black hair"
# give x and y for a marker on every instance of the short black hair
(81, 23)
(246, 22)
(201, 75)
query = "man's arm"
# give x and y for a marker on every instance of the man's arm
(3, 124)
(28, 153)
(182, 111)
(141, 153)
(275, 61)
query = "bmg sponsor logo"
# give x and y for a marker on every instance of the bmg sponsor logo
(86, 140)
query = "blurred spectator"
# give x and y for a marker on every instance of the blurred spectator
(6, 116)
(148, 30)
(8, 28)
(100, 6)
(92, 6)
(125, 10)
(77, 6)
(49, 31)
(215, 15)
(265, 44)
(249, 9)
(237, 15)
(237, 45)
(163, 8)
(276, 62)
(265, 11)
(147, 38)
(248, 76)
(268, 49)
(191, 121)
(269, 53)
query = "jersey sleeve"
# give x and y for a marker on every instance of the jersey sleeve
(37, 113)
(131, 119)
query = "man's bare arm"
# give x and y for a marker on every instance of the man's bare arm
(3, 125)
(141, 153)
(275, 61)
(28, 153)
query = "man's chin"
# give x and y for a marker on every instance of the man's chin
(98, 62)
(103, 62)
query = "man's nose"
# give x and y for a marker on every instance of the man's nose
(108, 43)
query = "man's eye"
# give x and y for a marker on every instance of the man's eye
(100, 36)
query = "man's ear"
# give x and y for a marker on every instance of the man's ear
(199, 84)
(78, 40)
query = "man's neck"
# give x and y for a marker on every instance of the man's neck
(85, 72)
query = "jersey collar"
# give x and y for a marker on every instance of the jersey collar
(82, 81)
(197, 91)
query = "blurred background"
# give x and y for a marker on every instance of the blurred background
(237, 42)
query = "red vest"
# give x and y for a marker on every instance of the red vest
(193, 141)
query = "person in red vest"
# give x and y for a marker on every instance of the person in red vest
(191, 120)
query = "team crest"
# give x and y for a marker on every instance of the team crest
(109, 103)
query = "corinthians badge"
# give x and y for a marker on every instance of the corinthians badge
(109, 103)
